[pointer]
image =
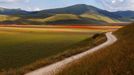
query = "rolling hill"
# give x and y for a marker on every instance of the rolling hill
(9, 18)
(99, 17)
(66, 19)
(87, 14)
(83, 8)
(80, 9)
(117, 59)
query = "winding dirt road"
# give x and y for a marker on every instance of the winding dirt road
(56, 67)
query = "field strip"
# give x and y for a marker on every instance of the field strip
(17, 29)
(91, 27)
(56, 67)
(75, 29)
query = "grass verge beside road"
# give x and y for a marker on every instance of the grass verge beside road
(117, 59)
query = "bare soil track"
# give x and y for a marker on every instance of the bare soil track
(56, 67)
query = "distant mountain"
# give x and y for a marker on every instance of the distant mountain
(83, 8)
(6, 11)
(75, 9)
(86, 15)
(125, 15)
(80, 9)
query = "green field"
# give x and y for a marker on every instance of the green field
(23, 46)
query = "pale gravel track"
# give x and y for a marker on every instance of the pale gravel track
(56, 67)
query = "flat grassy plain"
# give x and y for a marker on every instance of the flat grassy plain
(26, 48)
(22, 46)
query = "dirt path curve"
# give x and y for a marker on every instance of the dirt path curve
(56, 67)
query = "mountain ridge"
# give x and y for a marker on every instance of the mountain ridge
(94, 13)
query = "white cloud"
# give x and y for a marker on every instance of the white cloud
(127, 5)
(33, 8)
(113, 1)
(12, 1)
(37, 9)
(116, 5)
(27, 1)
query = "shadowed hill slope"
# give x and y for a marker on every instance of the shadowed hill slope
(117, 59)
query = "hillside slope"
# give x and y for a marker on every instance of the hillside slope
(9, 18)
(88, 15)
(99, 17)
(66, 15)
(56, 19)
(117, 59)
(67, 19)
(79, 9)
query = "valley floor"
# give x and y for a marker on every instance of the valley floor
(21, 43)
(56, 67)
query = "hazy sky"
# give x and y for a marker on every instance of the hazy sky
(112, 5)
